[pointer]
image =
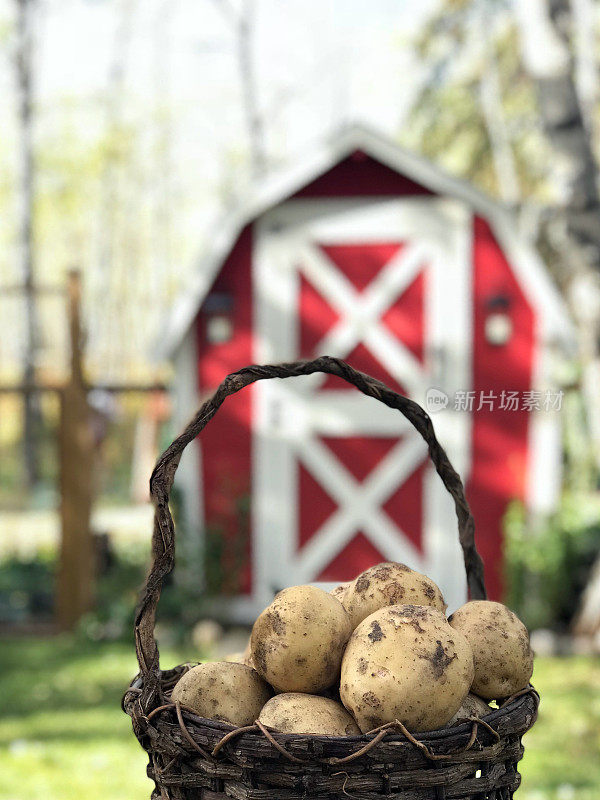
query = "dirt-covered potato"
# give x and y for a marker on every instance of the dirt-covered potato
(405, 662)
(242, 657)
(298, 641)
(332, 692)
(472, 706)
(223, 690)
(389, 584)
(295, 712)
(500, 643)
(339, 591)
(235, 658)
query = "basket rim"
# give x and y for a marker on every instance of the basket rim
(529, 695)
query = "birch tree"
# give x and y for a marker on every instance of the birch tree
(25, 12)
(241, 21)
(475, 113)
(518, 101)
(552, 51)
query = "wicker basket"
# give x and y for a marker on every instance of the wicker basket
(191, 758)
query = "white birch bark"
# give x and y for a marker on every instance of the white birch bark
(25, 11)
(546, 32)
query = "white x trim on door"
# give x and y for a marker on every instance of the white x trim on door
(361, 312)
(291, 416)
(359, 504)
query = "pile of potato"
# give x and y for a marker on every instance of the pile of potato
(374, 650)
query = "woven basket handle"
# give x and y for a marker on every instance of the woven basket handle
(163, 539)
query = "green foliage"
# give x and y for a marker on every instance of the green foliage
(118, 592)
(547, 565)
(214, 551)
(447, 123)
(226, 550)
(580, 471)
(26, 588)
(27, 595)
(116, 597)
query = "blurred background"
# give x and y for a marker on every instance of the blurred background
(190, 187)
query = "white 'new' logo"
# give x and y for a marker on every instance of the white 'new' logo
(435, 400)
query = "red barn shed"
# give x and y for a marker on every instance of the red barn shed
(368, 253)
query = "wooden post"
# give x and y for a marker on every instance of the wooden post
(75, 590)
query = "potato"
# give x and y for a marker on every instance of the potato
(242, 656)
(298, 641)
(247, 654)
(500, 643)
(236, 658)
(295, 712)
(339, 591)
(332, 692)
(223, 690)
(405, 662)
(472, 706)
(389, 584)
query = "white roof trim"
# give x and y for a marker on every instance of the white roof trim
(540, 290)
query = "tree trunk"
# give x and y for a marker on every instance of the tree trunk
(241, 22)
(23, 63)
(108, 310)
(546, 31)
(254, 121)
(545, 27)
(502, 155)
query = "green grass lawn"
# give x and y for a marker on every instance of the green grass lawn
(63, 735)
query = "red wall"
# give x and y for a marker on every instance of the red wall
(225, 441)
(499, 438)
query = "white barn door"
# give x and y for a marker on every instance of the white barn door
(293, 418)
